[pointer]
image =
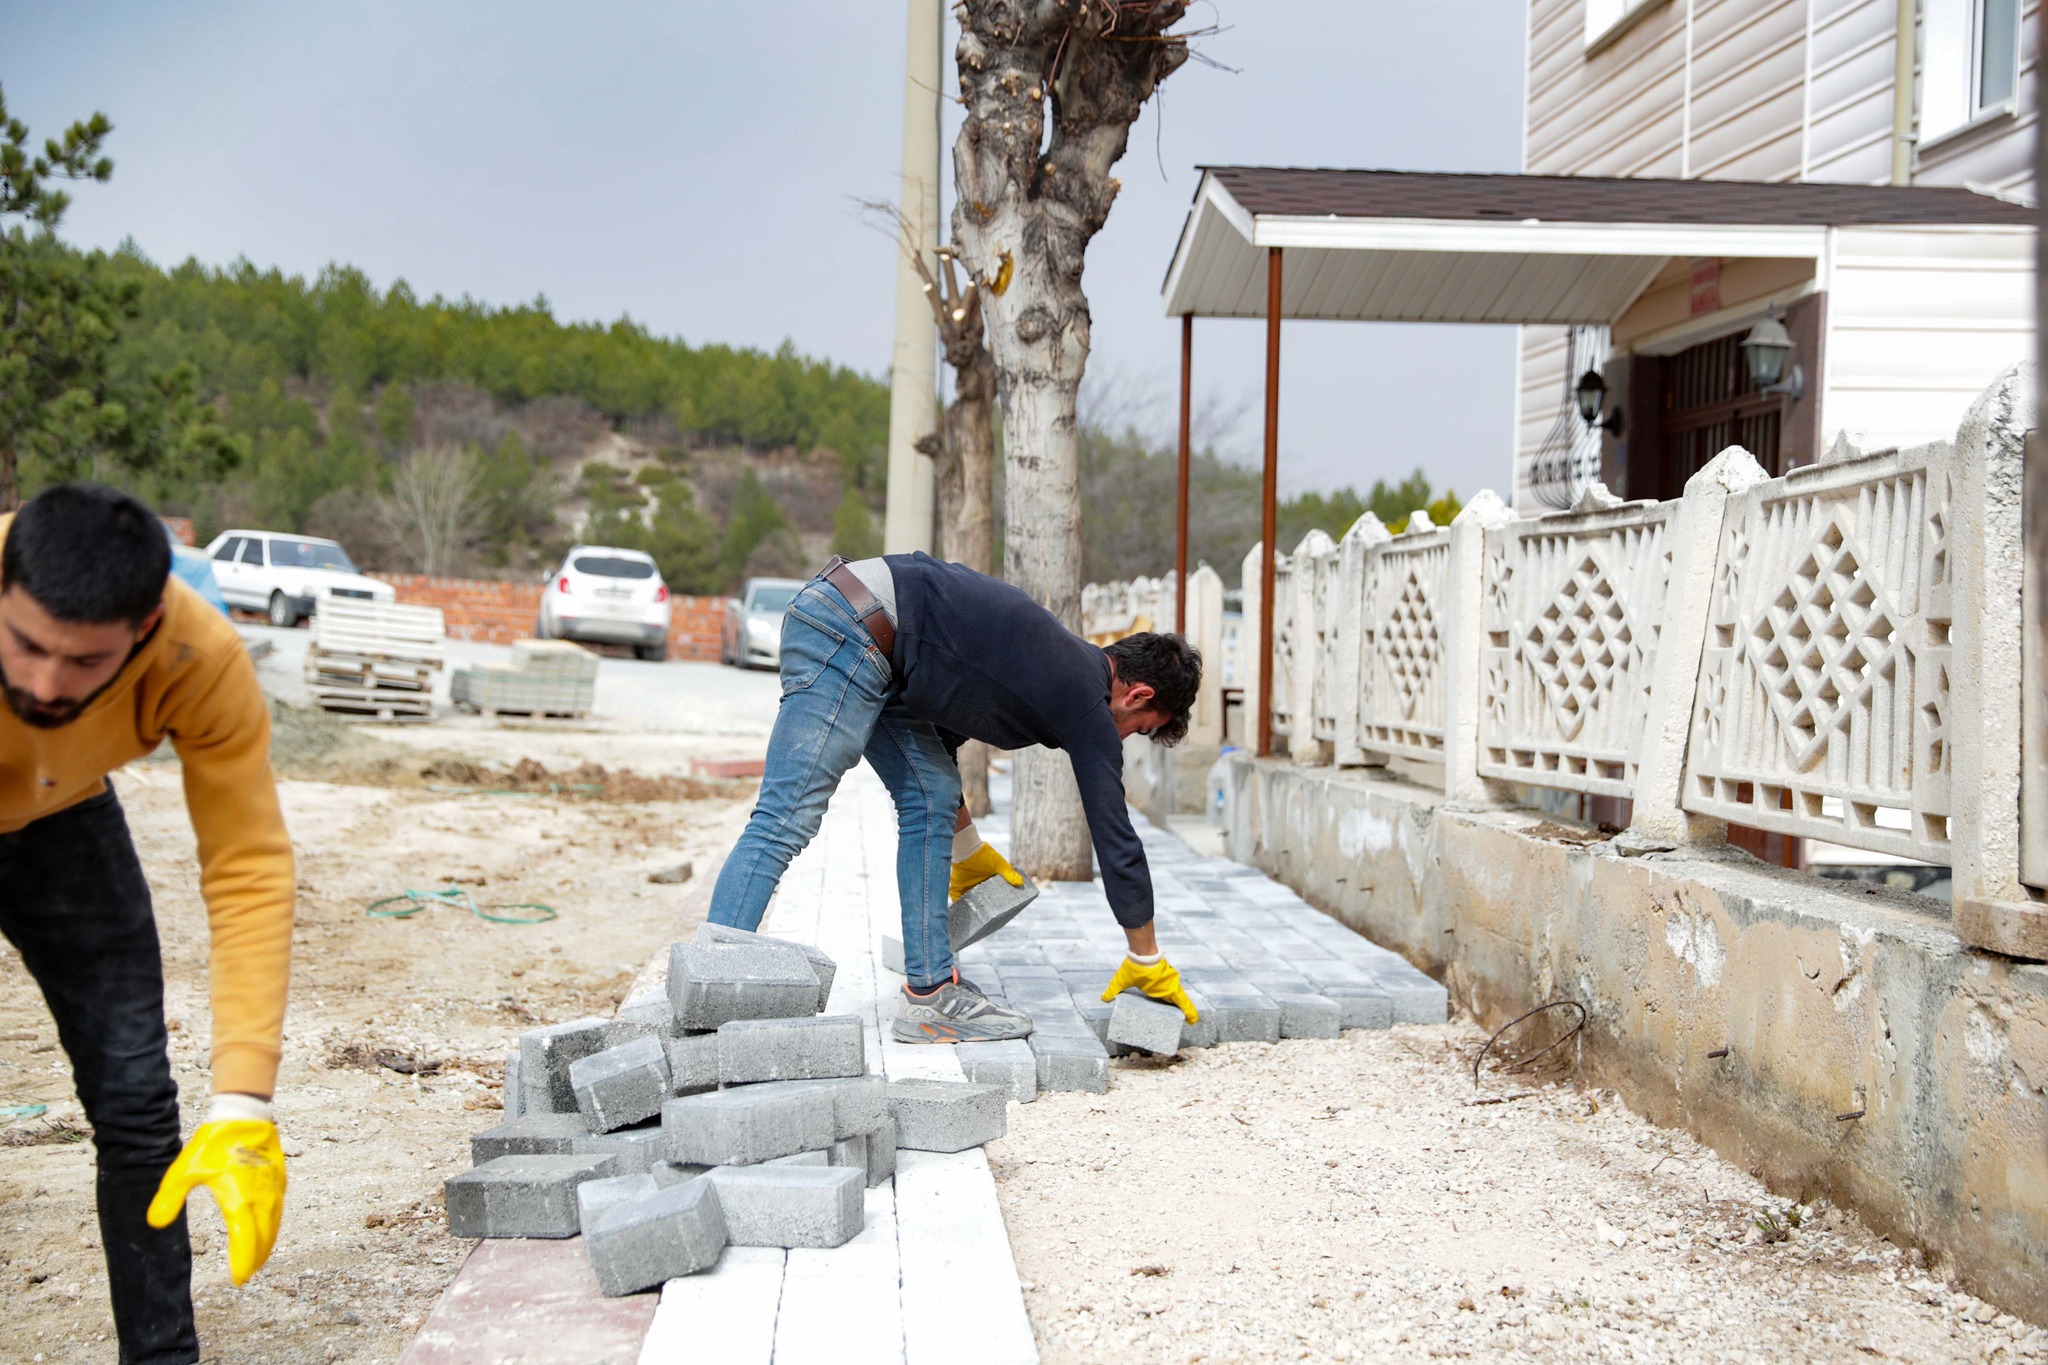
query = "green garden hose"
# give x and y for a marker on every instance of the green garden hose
(411, 902)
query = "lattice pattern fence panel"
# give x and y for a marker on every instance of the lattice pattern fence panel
(1824, 686)
(1402, 686)
(1574, 606)
(1284, 645)
(1328, 616)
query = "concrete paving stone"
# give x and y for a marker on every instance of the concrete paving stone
(748, 1123)
(817, 1048)
(1361, 1005)
(621, 1085)
(789, 1206)
(1008, 1063)
(714, 983)
(1241, 1018)
(649, 1016)
(1304, 1014)
(1136, 1020)
(509, 1095)
(822, 965)
(544, 1058)
(1070, 1062)
(859, 1104)
(1201, 1033)
(892, 955)
(881, 1153)
(692, 1063)
(667, 1173)
(521, 1196)
(947, 1116)
(594, 1198)
(985, 908)
(635, 1149)
(817, 1158)
(658, 1237)
(1031, 971)
(1416, 998)
(528, 1135)
(851, 1152)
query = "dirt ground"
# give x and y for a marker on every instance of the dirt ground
(364, 1249)
(1357, 1199)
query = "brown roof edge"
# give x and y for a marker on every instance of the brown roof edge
(1291, 191)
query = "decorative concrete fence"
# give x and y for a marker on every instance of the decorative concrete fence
(1832, 654)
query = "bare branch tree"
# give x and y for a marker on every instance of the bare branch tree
(433, 509)
(1027, 204)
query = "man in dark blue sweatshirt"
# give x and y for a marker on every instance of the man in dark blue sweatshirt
(900, 660)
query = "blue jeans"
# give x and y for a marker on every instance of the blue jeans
(838, 707)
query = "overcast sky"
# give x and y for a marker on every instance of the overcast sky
(696, 166)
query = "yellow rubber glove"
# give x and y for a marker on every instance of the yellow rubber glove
(1159, 981)
(241, 1164)
(978, 866)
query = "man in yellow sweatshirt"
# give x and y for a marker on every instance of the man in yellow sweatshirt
(103, 656)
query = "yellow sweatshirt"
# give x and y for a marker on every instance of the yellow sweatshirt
(192, 683)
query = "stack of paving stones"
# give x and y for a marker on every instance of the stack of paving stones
(733, 1112)
(1259, 963)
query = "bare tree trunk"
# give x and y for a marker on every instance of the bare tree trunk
(432, 509)
(1026, 208)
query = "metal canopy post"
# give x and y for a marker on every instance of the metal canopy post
(1180, 544)
(1269, 513)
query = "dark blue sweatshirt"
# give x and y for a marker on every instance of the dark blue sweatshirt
(980, 659)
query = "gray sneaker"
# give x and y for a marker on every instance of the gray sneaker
(957, 1013)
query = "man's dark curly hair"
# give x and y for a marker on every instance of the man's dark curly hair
(1172, 667)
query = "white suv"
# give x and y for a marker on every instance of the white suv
(284, 576)
(603, 595)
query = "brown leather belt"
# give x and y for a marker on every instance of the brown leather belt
(867, 608)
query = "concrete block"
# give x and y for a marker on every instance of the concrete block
(820, 1047)
(850, 1152)
(1365, 1006)
(1009, 1064)
(521, 1196)
(1071, 1062)
(544, 1058)
(692, 1063)
(528, 1135)
(510, 1096)
(1304, 1014)
(881, 1153)
(714, 983)
(749, 1123)
(947, 1116)
(986, 908)
(647, 1017)
(658, 1237)
(817, 1158)
(1244, 1017)
(892, 955)
(634, 1150)
(1201, 1033)
(621, 1085)
(1416, 998)
(789, 1206)
(822, 965)
(595, 1198)
(860, 1104)
(667, 1173)
(1139, 1021)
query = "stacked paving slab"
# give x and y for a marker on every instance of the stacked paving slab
(732, 1113)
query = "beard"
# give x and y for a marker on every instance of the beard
(49, 715)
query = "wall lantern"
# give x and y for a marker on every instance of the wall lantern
(1591, 394)
(1766, 349)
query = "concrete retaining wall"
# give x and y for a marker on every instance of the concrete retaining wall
(1830, 998)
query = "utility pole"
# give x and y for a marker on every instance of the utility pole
(913, 364)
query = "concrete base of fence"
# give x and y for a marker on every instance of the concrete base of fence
(1837, 1040)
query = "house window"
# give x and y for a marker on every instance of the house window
(1970, 63)
(1607, 19)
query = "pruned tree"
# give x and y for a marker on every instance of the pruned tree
(434, 509)
(1051, 89)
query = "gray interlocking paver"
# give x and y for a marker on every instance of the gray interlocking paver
(521, 1196)
(639, 1242)
(621, 1085)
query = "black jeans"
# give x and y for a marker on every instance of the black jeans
(74, 903)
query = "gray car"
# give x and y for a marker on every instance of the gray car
(752, 636)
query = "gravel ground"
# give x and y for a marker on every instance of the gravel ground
(1355, 1200)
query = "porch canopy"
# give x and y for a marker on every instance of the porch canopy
(1405, 246)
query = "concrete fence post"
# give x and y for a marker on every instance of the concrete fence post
(1248, 642)
(1986, 563)
(1303, 746)
(1205, 633)
(1660, 819)
(1353, 551)
(1464, 644)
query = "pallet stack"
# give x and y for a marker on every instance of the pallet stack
(546, 678)
(375, 660)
